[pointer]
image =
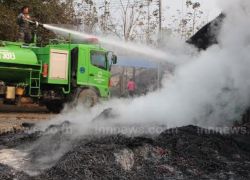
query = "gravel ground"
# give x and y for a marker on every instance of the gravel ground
(11, 117)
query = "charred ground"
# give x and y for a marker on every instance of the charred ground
(189, 152)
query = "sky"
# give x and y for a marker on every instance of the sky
(209, 7)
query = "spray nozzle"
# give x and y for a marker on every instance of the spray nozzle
(39, 24)
(36, 23)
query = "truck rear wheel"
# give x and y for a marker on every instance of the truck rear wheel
(87, 97)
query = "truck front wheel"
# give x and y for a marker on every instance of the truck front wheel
(87, 97)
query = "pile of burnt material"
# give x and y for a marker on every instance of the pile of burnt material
(7, 173)
(191, 152)
(184, 153)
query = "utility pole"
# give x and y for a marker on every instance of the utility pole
(107, 13)
(160, 16)
(148, 29)
(160, 21)
(159, 41)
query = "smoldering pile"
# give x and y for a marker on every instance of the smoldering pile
(183, 153)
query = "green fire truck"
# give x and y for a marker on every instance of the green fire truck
(53, 75)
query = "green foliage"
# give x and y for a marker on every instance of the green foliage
(8, 26)
(44, 11)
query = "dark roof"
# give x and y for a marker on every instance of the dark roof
(207, 35)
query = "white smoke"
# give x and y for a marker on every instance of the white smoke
(210, 90)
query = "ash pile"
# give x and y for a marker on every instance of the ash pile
(191, 152)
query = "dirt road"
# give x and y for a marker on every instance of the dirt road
(13, 121)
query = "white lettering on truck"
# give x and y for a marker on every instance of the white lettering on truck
(7, 55)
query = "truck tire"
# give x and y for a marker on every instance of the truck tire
(54, 106)
(88, 98)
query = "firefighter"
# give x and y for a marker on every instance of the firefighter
(24, 21)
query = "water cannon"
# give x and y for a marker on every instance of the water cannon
(36, 23)
(92, 40)
(88, 39)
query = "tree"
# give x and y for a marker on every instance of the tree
(132, 11)
(86, 11)
(8, 26)
(137, 20)
(152, 22)
(105, 17)
(107, 25)
(128, 20)
(195, 6)
(44, 11)
(189, 21)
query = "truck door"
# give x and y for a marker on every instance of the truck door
(82, 68)
(98, 69)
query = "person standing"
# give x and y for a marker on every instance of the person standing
(131, 86)
(23, 21)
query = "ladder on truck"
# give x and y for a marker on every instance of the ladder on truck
(35, 82)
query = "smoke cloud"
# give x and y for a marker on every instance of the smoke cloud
(210, 89)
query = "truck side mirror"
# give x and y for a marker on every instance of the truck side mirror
(114, 59)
